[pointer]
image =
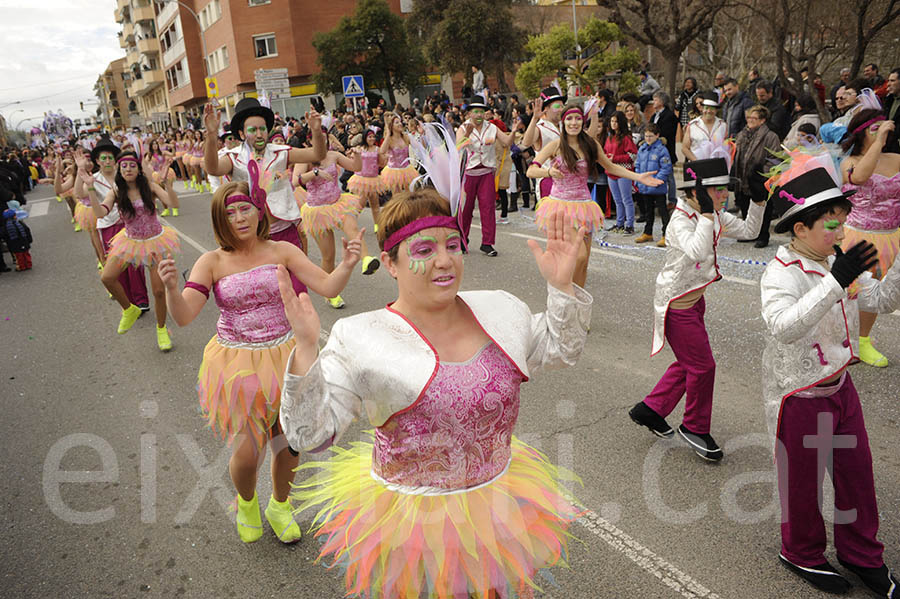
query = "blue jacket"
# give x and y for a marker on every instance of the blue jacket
(653, 157)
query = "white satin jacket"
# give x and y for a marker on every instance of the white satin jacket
(280, 196)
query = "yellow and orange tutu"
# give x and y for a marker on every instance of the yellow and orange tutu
(400, 546)
(317, 220)
(85, 217)
(139, 252)
(363, 186)
(240, 388)
(157, 178)
(398, 179)
(584, 213)
(300, 196)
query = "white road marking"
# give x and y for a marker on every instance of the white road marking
(184, 236)
(38, 208)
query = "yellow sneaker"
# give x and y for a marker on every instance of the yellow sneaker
(870, 355)
(369, 264)
(249, 524)
(280, 518)
(162, 337)
(337, 302)
(643, 238)
(99, 265)
(165, 212)
(375, 227)
(174, 211)
(77, 228)
(207, 187)
(129, 315)
(58, 199)
(661, 243)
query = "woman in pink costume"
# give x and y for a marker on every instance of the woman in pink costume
(875, 175)
(85, 219)
(239, 384)
(141, 243)
(163, 174)
(64, 184)
(367, 184)
(399, 173)
(181, 148)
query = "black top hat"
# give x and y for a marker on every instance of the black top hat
(709, 172)
(104, 145)
(804, 192)
(551, 94)
(251, 107)
(476, 101)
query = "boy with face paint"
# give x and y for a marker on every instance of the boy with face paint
(811, 403)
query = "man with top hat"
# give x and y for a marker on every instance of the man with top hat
(706, 129)
(480, 138)
(544, 127)
(679, 305)
(812, 406)
(253, 123)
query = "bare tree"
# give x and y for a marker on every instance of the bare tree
(872, 16)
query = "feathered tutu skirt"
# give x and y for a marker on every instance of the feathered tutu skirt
(239, 386)
(393, 545)
(316, 220)
(363, 186)
(398, 179)
(139, 252)
(85, 217)
(886, 242)
(157, 177)
(584, 213)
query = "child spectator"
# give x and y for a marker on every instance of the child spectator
(17, 236)
(653, 157)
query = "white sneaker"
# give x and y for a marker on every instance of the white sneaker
(502, 220)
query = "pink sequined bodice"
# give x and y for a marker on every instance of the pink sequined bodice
(143, 225)
(251, 310)
(398, 157)
(157, 162)
(369, 164)
(876, 204)
(573, 186)
(458, 434)
(322, 192)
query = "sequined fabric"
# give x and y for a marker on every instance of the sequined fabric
(143, 225)
(369, 164)
(322, 192)
(250, 306)
(876, 204)
(398, 157)
(573, 185)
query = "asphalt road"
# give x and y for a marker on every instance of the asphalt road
(119, 490)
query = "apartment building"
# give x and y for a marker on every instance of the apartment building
(112, 95)
(148, 104)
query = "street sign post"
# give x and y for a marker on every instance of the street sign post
(353, 86)
(274, 83)
(212, 87)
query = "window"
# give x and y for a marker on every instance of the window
(257, 2)
(211, 13)
(265, 45)
(218, 60)
(178, 74)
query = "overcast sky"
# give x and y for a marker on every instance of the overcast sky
(51, 53)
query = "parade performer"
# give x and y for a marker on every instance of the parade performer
(181, 148)
(104, 155)
(367, 184)
(252, 122)
(85, 219)
(398, 173)
(568, 162)
(446, 502)
(875, 175)
(812, 406)
(679, 304)
(227, 141)
(239, 383)
(544, 126)
(141, 243)
(163, 175)
(64, 184)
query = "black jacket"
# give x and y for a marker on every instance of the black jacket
(894, 144)
(16, 234)
(779, 120)
(667, 122)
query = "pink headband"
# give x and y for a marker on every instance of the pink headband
(865, 125)
(239, 197)
(414, 227)
(573, 109)
(127, 159)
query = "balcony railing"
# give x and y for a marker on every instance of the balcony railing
(148, 46)
(144, 13)
(173, 53)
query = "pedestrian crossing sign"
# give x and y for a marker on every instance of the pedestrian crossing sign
(353, 86)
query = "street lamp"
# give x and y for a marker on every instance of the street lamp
(29, 118)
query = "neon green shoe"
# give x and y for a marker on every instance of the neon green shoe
(337, 302)
(207, 187)
(162, 338)
(165, 211)
(77, 228)
(375, 227)
(369, 264)
(174, 211)
(129, 315)
(58, 199)
(99, 265)
(280, 518)
(870, 355)
(249, 524)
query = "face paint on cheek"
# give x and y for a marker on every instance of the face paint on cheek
(420, 248)
(831, 225)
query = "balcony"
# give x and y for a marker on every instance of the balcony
(148, 46)
(173, 53)
(143, 13)
(132, 57)
(122, 3)
(122, 42)
(166, 13)
(148, 82)
(127, 31)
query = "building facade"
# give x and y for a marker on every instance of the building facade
(148, 104)
(113, 97)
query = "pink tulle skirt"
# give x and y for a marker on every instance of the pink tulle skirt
(364, 186)
(140, 252)
(317, 220)
(584, 213)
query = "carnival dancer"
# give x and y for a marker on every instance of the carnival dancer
(398, 173)
(679, 304)
(569, 161)
(252, 122)
(479, 137)
(875, 175)
(163, 175)
(85, 219)
(64, 184)
(239, 383)
(104, 155)
(181, 148)
(197, 159)
(439, 505)
(367, 184)
(141, 243)
(227, 141)
(812, 406)
(545, 126)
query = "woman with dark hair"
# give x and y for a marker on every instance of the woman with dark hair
(621, 150)
(805, 112)
(163, 175)
(684, 104)
(367, 184)
(875, 175)
(143, 242)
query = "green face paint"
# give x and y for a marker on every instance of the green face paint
(421, 248)
(831, 225)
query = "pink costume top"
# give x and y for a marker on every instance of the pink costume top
(143, 225)
(458, 435)
(157, 161)
(398, 157)
(181, 146)
(876, 204)
(572, 187)
(250, 307)
(197, 149)
(369, 164)
(322, 192)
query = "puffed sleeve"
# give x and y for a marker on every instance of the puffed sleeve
(881, 296)
(558, 335)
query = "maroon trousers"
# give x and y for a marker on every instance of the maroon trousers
(480, 187)
(814, 435)
(291, 235)
(132, 278)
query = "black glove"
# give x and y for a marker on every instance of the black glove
(858, 259)
(706, 202)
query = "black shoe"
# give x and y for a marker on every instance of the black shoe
(824, 577)
(4, 268)
(144, 309)
(514, 209)
(641, 219)
(761, 243)
(643, 415)
(628, 230)
(746, 240)
(703, 445)
(879, 580)
(616, 229)
(489, 250)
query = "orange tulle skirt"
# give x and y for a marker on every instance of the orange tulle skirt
(240, 388)
(402, 546)
(398, 179)
(364, 186)
(85, 217)
(157, 178)
(140, 252)
(316, 220)
(584, 213)
(886, 242)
